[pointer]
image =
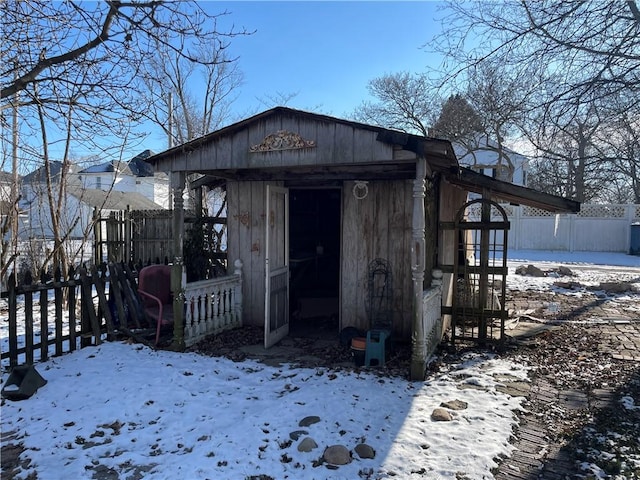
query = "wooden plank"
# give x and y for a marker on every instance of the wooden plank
(244, 221)
(378, 233)
(99, 283)
(116, 291)
(44, 324)
(233, 224)
(258, 250)
(13, 323)
(348, 248)
(59, 299)
(400, 258)
(308, 156)
(364, 149)
(72, 315)
(224, 153)
(325, 139)
(343, 151)
(87, 299)
(130, 287)
(28, 326)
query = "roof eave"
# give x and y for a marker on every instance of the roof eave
(516, 194)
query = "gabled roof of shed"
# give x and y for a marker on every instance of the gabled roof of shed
(320, 147)
(322, 141)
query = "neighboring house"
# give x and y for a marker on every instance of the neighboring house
(315, 201)
(6, 187)
(113, 186)
(34, 202)
(134, 176)
(482, 155)
(6, 203)
(6, 184)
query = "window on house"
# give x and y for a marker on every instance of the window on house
(98, 182)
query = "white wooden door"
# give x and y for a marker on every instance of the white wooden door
(276, 324)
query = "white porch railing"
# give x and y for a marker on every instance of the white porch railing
(432, 314)
(213, 306)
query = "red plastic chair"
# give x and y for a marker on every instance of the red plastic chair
(154, 287)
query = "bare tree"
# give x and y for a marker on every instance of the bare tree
(404, 101)
(618, 142)
(586, 47)
(479, 119)
(173, 81)
(581, 58)
(80, 71)
(569, 147)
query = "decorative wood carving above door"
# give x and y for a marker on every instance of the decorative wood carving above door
(282, 140)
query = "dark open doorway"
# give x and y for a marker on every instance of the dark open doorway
(314, 258)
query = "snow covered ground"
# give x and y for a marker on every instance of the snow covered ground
(125, 411)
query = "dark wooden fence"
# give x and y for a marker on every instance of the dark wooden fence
(146, 236)
(61, 316)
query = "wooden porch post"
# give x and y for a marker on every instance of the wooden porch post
(177, 188)
(418, 340)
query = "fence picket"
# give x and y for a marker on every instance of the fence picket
(103, 305)
(87, 300)
(58, 299)
(13, 323)
(44, 325)
(116, 294)
(28, 327)
(72, 316)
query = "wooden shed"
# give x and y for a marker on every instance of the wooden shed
(317, 205)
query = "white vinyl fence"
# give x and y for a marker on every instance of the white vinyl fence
(596, 228)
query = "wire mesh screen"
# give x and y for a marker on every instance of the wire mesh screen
(480, 274)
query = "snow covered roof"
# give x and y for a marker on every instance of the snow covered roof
(113, 200)
(136, 166)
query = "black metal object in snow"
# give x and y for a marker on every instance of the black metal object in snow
(480, 270)
(22, 383)
(380, 298)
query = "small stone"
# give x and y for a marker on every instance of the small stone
(441, 415)
(337, 455)
(455, 405)
(297, 434)
(565, 271)
(534, 271)
(307, 444)
(307, 421)
(614, 287)
(521, 270)
(365, 451)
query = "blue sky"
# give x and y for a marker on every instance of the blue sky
(326, 52)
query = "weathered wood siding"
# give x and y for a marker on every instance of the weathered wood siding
(336, 143)
(378, 226)
(246, 229)
(451, 200)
